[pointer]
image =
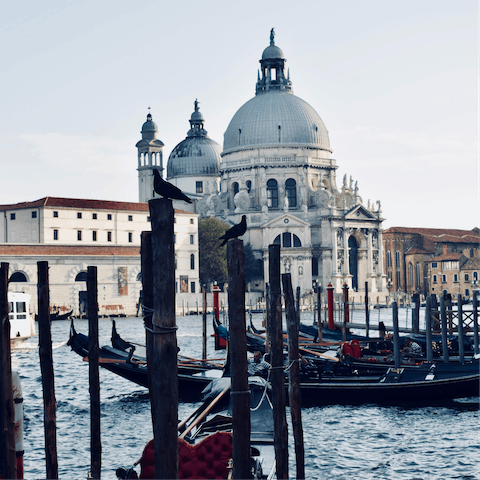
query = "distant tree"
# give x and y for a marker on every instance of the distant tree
(213, 258)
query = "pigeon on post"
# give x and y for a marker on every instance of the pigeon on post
(167, 190)
(236, 231)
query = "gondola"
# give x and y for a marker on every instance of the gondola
(191, 380)
(209, 429)
(60, 316)
(425, 384)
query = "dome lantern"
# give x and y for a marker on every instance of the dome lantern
(273, 69)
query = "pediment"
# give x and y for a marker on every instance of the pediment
(286, 220)
(359, 212)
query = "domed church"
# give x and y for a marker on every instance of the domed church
(276, 168)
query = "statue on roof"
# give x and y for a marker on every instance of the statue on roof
(272, 36)
(196, 102)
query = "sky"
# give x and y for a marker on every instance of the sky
(396, 84)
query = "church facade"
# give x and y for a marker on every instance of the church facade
(276, 168)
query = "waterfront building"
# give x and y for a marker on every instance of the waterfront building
(72, 234)
(454, 273)
(276, 168)
(410, 251)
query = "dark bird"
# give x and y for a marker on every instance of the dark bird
(236, 231)
(167, 190)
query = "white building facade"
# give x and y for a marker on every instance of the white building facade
(72, 234)
(276, 168)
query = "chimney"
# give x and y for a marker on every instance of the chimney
(444, 249)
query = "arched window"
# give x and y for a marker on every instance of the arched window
(272, 193)
(314, 267)
(192, 261)
(81, 277)
(235, 188)
(418, 280)
(249, 185)
(410, 275)
(285, 240)
(389, 258)
(291, 192)
(18, 277)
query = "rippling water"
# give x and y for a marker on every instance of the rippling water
(366, 442)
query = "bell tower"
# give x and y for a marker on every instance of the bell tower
(150, 157)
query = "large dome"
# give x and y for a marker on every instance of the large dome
(197, 155)
(194, 156)
(275, 118)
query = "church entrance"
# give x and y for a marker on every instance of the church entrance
(353, 261)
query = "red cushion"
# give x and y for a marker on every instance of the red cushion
(205, 460)
(347, 349)
(356, 349)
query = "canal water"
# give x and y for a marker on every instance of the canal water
(341, 442)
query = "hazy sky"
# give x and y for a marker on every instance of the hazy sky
(396, 84)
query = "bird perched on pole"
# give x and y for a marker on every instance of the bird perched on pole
(167, 190)
(236, 231)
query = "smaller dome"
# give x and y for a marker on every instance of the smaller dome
(272, 52)
(149, 125)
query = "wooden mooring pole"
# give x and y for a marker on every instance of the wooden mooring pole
(416, 313)
(8, 461)
(443, 319)
(475, 322)
(367, 312)
(46, 368)
(147, 307)
(294, 394)
(276, 355)
(428, 327)
(396, 336)
(165, 379)
(267, 311)
(240, 393)
(93, 373)
(461, 345)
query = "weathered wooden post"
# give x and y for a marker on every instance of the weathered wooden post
(46, 368)
(416, 313)
(461, 346)
(267, 312)
(8, 461)
(294, 375)
(396, 336)
(319, 308)
(297, 303)
(240, 393)
(93, 373)
(330, 307)
(367, 312)
(147, 306)
(443, 318)
(449, 313)
(277, 377)
(428, 328)
(165, 379)
(475, 322)
(204, 324)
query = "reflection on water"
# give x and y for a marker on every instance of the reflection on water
(366, 442)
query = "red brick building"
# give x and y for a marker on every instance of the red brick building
(408, 252)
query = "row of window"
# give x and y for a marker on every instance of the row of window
(455, 278)
(13, 216)
(109, 236)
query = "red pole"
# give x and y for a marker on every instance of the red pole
(216, 305)
(331, 324)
